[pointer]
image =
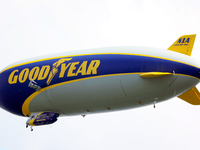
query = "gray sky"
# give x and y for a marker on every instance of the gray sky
(38, 27)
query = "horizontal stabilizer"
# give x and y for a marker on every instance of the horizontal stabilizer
(154, 74)
(192, 96)
(183, 44)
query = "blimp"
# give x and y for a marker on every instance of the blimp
(99, 80)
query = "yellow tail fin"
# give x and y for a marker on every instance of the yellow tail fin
(183, 44)
(192, 96)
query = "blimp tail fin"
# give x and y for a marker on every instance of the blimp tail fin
(183, 44)
(191, 96)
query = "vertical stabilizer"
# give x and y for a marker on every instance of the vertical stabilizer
(183, 44)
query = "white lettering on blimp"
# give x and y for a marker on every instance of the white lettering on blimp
(68, 70)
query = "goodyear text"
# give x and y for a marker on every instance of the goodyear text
(66, 70)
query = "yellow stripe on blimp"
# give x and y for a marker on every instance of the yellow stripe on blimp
(154, 74)
(25, 63)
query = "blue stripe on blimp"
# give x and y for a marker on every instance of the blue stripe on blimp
(14, 88)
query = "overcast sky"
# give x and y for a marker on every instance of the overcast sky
(37, 27)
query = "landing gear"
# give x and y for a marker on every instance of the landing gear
(30, 127)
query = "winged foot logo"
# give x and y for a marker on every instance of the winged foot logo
(55, 69)
(66, 70)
